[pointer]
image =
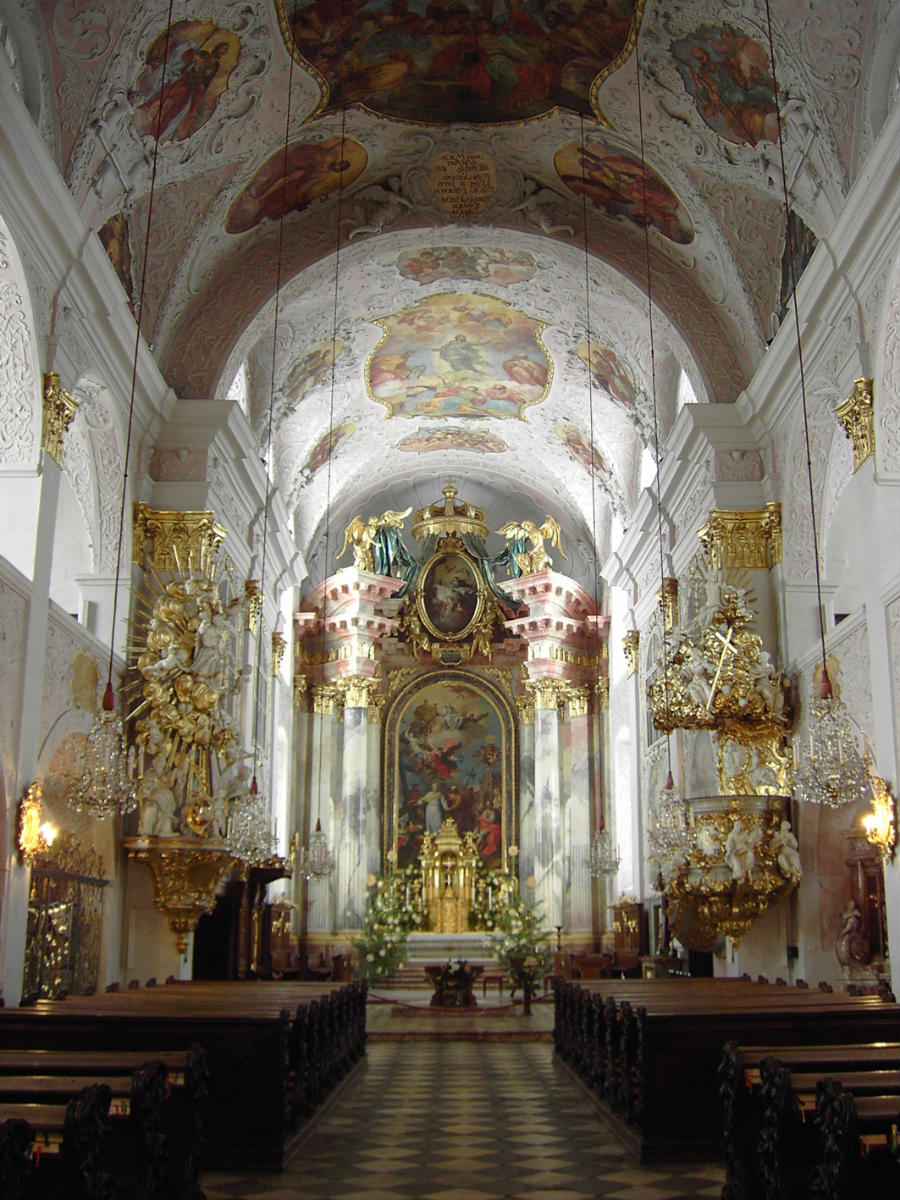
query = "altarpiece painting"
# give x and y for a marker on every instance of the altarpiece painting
(449, 752)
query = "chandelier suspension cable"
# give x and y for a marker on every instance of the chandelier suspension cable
(104, 786)
(268, 463)
(829, 770)
(602, 859)
(252, 837)
(789, 247)
(317, 860)
(157, 134)
(656, 442)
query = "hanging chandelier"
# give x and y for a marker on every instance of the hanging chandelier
(670, 836)
(249, 835)
(829, 769)
(105, 786)
(603, 858)
(316, 860)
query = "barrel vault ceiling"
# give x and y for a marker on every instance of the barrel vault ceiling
(444, 200)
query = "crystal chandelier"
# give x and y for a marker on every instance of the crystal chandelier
(316, 860)
(603, 858)
(670, 836)
(830, 769)
(249, 837)
(104, 787)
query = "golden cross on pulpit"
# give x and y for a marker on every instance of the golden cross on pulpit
(727, 648)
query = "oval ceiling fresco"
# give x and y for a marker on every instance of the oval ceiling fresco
(454, 355)
(460, 60)
(618, 183)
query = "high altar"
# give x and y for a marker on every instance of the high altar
(460, 684)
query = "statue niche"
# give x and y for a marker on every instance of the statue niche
(448, 872)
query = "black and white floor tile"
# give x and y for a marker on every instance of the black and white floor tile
(465, 1120)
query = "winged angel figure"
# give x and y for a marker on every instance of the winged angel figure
(376, 542)
(527, 562)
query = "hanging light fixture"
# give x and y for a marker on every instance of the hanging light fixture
(829, 768)
(105, 786)
(603, 856)
(250, 836)
(669, 835)
(316, 858)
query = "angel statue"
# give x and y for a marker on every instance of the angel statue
(376, 543)
(527, 562)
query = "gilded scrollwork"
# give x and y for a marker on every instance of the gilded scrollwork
(631, 644)
(857, 419)
(59, 411)
(667, 598)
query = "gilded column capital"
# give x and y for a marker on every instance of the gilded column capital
(301, 692)
(525, 708)
(355, 691)
(59, 409)
(667, 598)
(601, 691)
(253, 602)
(375, 711)
(631, 644)
(548, 693)
(857, 419)
(169, 539)
(279, 645)
(325, 699)
(748, 539)
(577, 699)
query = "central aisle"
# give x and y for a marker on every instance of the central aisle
(463, 1120)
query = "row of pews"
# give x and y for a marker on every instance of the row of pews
(811, 1121)
(650, 1050)
(101, 1124)
(274, 1052)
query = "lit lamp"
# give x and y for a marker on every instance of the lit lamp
(316, 859)
(880, 823)
(34, 836)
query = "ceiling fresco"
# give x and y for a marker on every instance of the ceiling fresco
(459, 355)
(454, 200)
(458, 60)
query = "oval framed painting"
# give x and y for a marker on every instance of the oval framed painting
(450, 596)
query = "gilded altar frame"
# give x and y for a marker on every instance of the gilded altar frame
(451, 732)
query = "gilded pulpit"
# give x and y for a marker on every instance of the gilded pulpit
(448, 871)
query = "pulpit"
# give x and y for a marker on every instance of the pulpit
(448, 873)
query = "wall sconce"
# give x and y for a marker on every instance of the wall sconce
(35, 835)
(880, 823)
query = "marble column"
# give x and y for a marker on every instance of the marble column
(352, 844)
(323, 760)
(579, 791)
(548, 873)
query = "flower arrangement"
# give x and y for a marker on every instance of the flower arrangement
(393, 910)
(490, 892)
(520, 943)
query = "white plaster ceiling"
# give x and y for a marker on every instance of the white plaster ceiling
(711, 255)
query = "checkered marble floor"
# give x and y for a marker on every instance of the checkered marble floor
(465, 1121)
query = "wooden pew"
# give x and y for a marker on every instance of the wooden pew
(651, 1052)
(148, 1129)
(264, 1080)
(792, 1133)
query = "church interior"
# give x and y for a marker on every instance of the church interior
(336, 650)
